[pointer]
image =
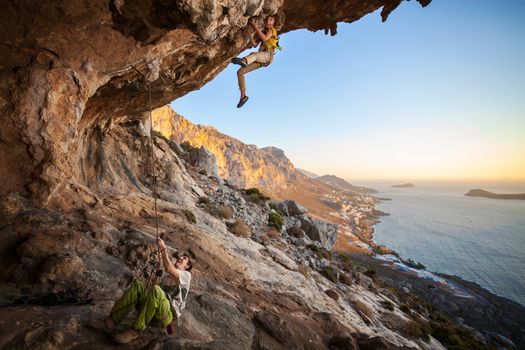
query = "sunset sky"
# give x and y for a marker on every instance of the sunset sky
(433, 93)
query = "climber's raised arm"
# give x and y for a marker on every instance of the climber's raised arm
(168, 265)
(262, 36)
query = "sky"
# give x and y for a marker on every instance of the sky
(433, 93)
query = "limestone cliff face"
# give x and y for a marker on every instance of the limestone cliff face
(244, 165)
(69, 69)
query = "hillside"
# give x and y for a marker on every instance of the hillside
(307, 173)
(342, 184)
(243, 165)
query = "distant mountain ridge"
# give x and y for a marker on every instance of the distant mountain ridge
(307, 173)
(342, 184)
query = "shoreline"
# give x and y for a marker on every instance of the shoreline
(477, 309)
(422, 267)
(466, 302)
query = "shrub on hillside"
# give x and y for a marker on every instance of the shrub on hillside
(256, 195)
(273, 233)
(303, 270)
(364, 308)
(227, 212)
(453, 336)
(240, 229)
(212, 209)
(346, 279)
(330, 273)
(189, 216)
(276, 208)
(320, 252)
(313, 247)
(295, 231)
(275, 220)
(346, 263)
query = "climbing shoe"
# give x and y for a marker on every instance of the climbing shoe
(242, 101)
(239, 61)
(126, 336)
(107, 325)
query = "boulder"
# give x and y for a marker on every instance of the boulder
(205, 160)
(366, 342)
(293, 208)
(332, 293)
(280, 257)
(364, 281)
(343, 341)
(208, 317)
(283, 208)
(177, 148)
(320, 231)
(498, 339)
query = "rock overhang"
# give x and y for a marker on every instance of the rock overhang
(69, 69)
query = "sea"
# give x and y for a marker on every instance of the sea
(481, 240)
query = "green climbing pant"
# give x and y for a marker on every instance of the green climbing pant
(152, 306)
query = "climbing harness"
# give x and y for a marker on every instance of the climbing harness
(273, 42)
(270, 45)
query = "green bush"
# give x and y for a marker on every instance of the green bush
(452, 336)
(275, 220)
(418, 329)
(313, 247)
(189, 216)
(211, 209)
(330, 273)
(320, 252)
(256, 195)
(346, 263)
(276, 208)
(381, 250)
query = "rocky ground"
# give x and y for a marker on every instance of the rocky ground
(491, 318)
(255, 286)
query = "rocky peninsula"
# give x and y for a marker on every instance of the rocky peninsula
(487, 194)
(405, 185)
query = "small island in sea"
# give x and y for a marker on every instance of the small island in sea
(405, 185)
(482, 193)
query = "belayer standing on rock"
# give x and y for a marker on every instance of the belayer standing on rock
(263, 58)
(159, 306)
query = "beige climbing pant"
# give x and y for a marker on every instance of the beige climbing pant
(254, 61)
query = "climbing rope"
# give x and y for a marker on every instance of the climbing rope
(153, 172)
